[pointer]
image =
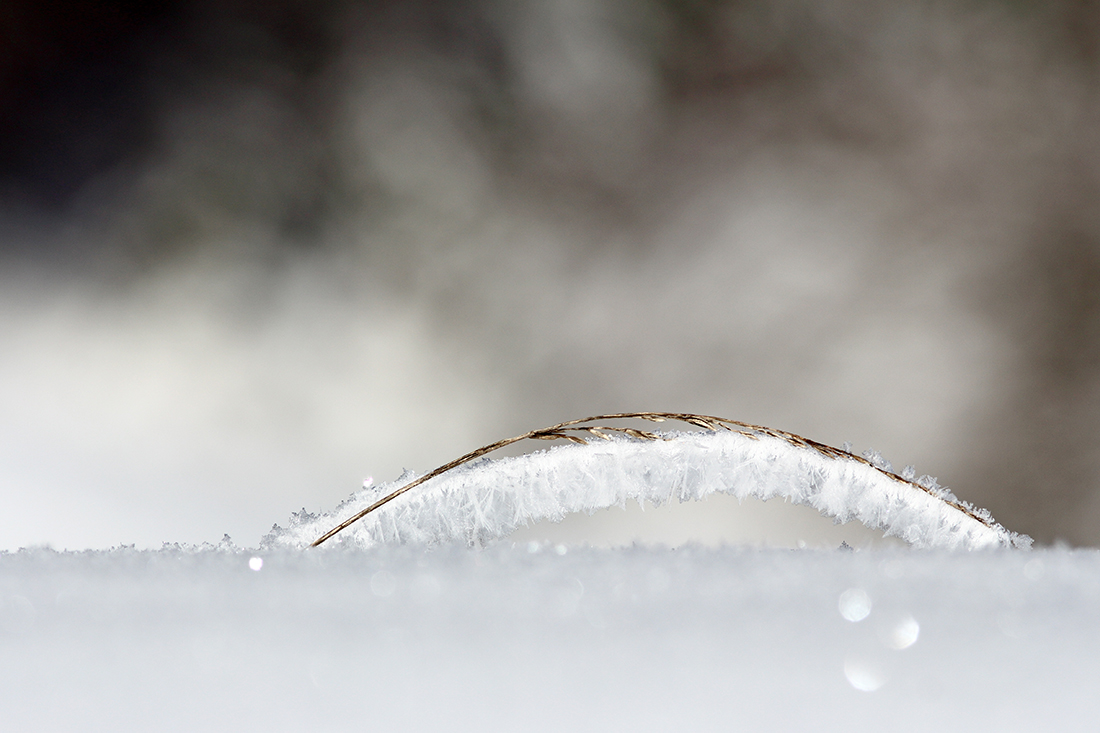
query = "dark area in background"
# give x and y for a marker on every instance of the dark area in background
(76, 97)
(85, 88)
(91, 95)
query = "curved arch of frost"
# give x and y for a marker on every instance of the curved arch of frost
(490, 498)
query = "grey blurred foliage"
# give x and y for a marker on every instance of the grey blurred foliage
(446, 222)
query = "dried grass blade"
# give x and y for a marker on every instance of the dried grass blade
(706, 422)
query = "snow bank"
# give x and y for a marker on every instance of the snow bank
(538, 638)
(490, 498)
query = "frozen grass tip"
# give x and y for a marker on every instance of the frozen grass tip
(609, 464)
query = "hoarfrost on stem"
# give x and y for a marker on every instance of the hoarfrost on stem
(486, 500)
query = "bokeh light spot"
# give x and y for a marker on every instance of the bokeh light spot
(863, 674)
(854, 604)
(902, 634)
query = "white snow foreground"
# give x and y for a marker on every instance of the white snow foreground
(410, 638)
(488, 499)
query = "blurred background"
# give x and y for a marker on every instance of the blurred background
(253, 252)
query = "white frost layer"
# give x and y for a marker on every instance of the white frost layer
(408, 638)
(490, 498)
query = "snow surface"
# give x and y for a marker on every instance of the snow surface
(418, 619)
(546, 638)
(489, 499)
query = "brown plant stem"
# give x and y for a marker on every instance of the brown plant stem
(566, 431)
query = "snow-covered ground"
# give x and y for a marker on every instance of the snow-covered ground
(392, 625)
(537, 637)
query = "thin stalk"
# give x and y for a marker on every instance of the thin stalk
(568, 431)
